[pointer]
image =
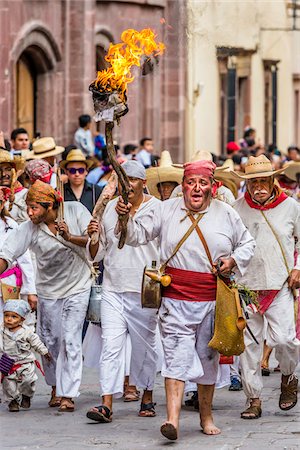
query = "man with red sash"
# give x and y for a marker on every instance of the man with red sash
(273, 219)
(187, 311)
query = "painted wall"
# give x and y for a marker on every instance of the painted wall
(244, 25)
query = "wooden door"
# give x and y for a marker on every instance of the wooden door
(25, 98)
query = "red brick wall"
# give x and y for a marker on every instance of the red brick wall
(64, 56)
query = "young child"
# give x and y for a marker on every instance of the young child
(17, 341)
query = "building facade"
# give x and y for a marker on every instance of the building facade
(244, 70)
(51, 51)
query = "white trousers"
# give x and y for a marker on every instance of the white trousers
(22, 381)
(280, 334)
(60, 328)
(186, 328)
(121, 313)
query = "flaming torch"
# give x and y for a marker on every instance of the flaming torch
(109, 90)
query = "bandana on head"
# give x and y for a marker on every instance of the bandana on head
(6, 192)
(134, 169)
(205, 168)
(43, 193)
(38, 169)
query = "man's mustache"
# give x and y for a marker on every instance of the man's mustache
(260, 191)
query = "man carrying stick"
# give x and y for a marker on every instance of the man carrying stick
(121, 310)
(187, 311)
(63, 283)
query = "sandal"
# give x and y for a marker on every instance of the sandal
(26, 402)
(54, 401)
(13, 406)
(66, 405)
(147, 410)
(253, 412)
(265, 372)
(169, 431)
(289, 393)
(102, 415)
(131, 394)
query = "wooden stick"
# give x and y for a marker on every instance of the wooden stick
(106, 195)
(122, 178)
(60, 188)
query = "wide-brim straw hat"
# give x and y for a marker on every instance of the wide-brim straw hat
(291, 169)
(76, 155)
(45, 147)
(258, 167)
(18, 162)
(165, 172)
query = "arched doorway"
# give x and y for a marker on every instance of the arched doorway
(26, 96)
(35, 58)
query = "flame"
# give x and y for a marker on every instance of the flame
(134, 47)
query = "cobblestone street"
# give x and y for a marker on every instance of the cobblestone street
(42, 427)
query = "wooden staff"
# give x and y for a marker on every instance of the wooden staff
(122, 178)
(14, 177)
(106, 195)
(60, 188)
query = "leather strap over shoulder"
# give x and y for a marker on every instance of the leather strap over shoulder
(202, 238)
(182, 240)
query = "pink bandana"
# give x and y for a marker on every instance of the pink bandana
(205, 168)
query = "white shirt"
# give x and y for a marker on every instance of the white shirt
(61, 272)
(19, 208)
(144, 157)
(123, 269)
(24, 261)
(267, 269)
(83, 140)
(221, 226)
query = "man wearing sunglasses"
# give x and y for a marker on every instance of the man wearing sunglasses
(77, 188)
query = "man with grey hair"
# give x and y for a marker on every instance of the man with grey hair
(121, 310)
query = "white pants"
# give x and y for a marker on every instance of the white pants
(186, 329)
(60, 328)
(280, 334)
(22, 381)
(121, 313)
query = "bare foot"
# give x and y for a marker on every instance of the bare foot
(169, 431)
(208, 426)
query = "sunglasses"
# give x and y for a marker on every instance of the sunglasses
(72, 170)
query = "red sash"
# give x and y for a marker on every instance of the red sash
(191, 286)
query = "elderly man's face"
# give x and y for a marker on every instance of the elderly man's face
(260, 189)
(6, 171)
(197, 192)
(137, 186)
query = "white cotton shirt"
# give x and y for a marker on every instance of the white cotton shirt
(61, 272)
(83, 139)
(267, 269)
(221, 226)
(19, 208)
(24, 261)
(123, 269)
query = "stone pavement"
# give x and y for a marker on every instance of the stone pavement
(46, 428)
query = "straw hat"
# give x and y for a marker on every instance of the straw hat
(165, 172)
(45, 147)
(258, 166)
(76, 155)
(291, 169)
(17, 161)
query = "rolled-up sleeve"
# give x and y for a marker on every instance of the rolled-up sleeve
(144, 227)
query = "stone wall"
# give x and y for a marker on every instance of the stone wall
(59, 38)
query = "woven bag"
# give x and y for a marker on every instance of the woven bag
(228, 339)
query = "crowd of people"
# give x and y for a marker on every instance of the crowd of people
(235, 217)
